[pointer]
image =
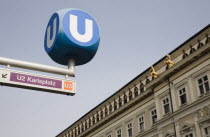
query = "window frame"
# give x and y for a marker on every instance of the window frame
(197, 84)
(119, 133)
(136, 91)
(151, 115)
(105, 111)
(130, 123)
(110, 108)
(130, 95)
(188, 133)
(140, 122)
(204, 126)
(109, 135)
(115, 105)
(179, 95)
(125, 99)
(120, 102)
(163, 108)
(204, 131)
(141, 87)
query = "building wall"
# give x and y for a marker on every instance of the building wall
(186, 118)
(184, 115)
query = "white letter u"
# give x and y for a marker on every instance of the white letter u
(50, 41)
(74, 29)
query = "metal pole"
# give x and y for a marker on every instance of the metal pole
(39, 67)
(71, 66)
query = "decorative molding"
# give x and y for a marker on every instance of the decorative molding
(187, 128)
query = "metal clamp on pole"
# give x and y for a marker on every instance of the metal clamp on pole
(40, 67)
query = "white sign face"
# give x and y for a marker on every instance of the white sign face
(37, 82)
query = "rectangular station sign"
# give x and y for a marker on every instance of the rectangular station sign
(37, 82)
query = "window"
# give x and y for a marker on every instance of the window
(89, 122)
(141, 88)
(115, 105)
(141, 123)
(125, 99)
(147, 80)
(101, 114)
(166, 105)
(206, 131)
(110, 108)
(75, 132)
(183, 96)
(199, 44)
(192, 49)
(79, 130)
(119, 133)
(135, 91)
(94, 120)
(82, 129)
(85, 125)
(106, 111)
(184, 54)
(109, 135)
(189, 135)
(97, 117)
(154, 116)
(207, 39)
(130, 95)
(169, 135)
(203, 85)
(129, 129)
(120, 102)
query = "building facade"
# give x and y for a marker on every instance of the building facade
(170, 99)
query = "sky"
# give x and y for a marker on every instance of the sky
(134, 35)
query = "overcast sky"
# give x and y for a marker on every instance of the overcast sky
(134, 35)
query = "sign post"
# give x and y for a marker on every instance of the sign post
(37, 82)
(71, 39)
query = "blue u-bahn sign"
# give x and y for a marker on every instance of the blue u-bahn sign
(71, 34)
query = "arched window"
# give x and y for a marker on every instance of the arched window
(141, 87)
(106, 111)
(130, 95)
(200, 44)
(110, 108)
(71, 134)
(82, 128)
(79, 130)
(97, 117)
(101, 114)
(89, 122)
(125, 98)
(94, 120)
(120, 102)
(168, 135)
(85, 125)
(75, 132)
(115, 104)
(147, 80)
(207, 39)
(184, 54)
(136, 92)
(192, 49)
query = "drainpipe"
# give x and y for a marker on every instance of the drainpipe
(172, 110)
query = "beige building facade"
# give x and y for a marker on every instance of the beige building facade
(170, 99)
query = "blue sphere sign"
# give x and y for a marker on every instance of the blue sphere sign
(71, 34)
